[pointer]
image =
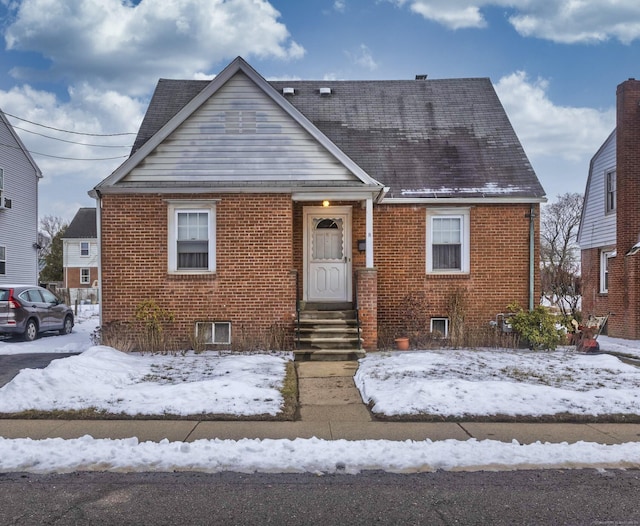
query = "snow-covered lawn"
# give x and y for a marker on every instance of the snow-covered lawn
(451, 382)
(468, 383)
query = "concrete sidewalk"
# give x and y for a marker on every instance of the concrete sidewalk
(331, 409)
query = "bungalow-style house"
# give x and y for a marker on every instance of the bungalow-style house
(250, 207)
(80, 256)
(19, 176)
(609, 234)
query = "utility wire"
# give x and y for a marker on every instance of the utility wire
(69, 131)
(66, 158)
(73, 142)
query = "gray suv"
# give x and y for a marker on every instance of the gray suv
(29, 310)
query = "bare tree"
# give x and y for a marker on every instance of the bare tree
(50, 226)
(559, 252)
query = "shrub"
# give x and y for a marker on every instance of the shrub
(537, 328)
(152, 319)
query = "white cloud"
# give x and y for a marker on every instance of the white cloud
(363, 58)
(65, 182)
(559, 140)
(565, 21)
(126, 47)
(339, 5)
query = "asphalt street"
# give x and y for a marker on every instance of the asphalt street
(553, 497)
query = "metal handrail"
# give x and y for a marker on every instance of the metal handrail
(356, 305)
(297, 315)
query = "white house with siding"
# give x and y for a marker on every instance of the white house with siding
(80, 256)
(19, 176)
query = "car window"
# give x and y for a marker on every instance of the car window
(32, 295)
(48, 296)
(4, 295)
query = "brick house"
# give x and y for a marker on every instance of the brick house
(244, 200)
(609, 235)
(80, 256)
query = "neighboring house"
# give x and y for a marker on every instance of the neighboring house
(244, 198)
(80, 256)
(19, 176)
(609, 235)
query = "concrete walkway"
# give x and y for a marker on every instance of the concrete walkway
(330, 408)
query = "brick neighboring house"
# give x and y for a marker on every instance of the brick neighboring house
(80, 256)
(19, 177)
(609, 235)
(243, 199)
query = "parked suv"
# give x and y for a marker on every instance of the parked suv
(29, 310)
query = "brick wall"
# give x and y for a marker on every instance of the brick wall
(72, 277)
(499, 266)
(593, 301)
(624, 288)
(253, 286)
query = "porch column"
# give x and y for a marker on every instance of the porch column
(369, 233)
(367, 283)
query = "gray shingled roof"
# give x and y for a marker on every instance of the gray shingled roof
(421, 138)
(83, 225)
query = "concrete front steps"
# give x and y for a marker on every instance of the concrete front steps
(327, 331)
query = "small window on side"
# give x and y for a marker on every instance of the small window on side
(3, 260)
(85, 276)
(610, 195)
(439, 327)
(84, 248)
(218, 333)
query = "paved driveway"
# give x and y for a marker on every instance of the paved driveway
(12, 364)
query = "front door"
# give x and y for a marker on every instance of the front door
(328, 253)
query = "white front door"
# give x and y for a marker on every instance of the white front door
(328, 253)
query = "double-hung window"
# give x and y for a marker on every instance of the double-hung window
(3, 260)
(191, 237)
(84, 248)
(447, 241)
(605, 257)
(610, 181)
(85, 276)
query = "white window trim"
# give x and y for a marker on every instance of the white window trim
(176, 206)
(88, 254)
(213, 331)
(446, 326)
(88, 280)
(610, 209)
(464, 215)
(605, 256)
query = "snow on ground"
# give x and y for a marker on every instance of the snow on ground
(217, 383)
(498, 382)
(86, 321)
(305, 455)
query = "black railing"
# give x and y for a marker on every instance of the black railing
(297, 315)
(356, 307)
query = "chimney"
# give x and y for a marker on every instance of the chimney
(628, 165)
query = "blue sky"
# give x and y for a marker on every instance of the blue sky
(90, 66)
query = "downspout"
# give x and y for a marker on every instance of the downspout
(531, 215)
(98, 198)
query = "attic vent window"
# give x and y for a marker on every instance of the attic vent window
(239, 122)
(288, 91)
(325, 91)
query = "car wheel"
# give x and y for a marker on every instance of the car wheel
(67, 327)
(31, 331)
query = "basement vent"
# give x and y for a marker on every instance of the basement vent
(288, 91)
(325, 91)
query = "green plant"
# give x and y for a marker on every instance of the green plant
(536, 327)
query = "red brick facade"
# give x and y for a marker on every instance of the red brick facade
(72, 277)
(259, 256)
(623, 298)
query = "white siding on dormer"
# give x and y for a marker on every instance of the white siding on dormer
(72, 257)
(18, 224)
(239, 135)
(598, 229)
